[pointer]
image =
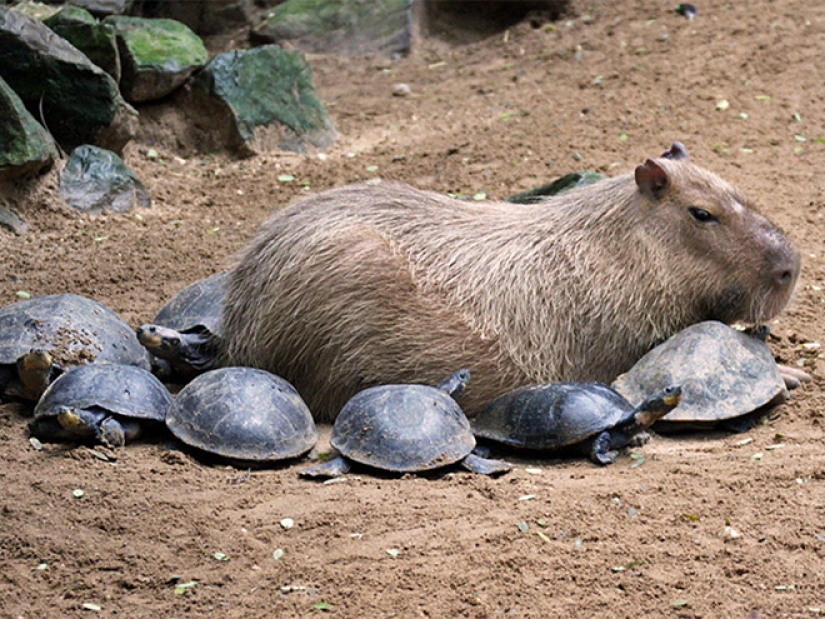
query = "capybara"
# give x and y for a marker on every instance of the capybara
(366, 285)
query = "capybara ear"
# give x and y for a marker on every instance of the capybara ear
(677, 151)
(652, 179)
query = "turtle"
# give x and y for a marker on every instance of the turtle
(244, 415)
(405, 428)
(103, 402)
(183, 335)
(43, 336)
(550, 416)
(726, 373)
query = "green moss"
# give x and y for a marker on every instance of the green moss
(162, 43)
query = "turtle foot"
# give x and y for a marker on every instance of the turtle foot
(600, 451)
(485, 466)
(793, 377)
(332, 468)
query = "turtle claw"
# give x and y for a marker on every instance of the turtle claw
(793, 377)
(638, 439)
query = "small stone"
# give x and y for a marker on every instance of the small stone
(78, 493)
(36, 444)
(287, 523)
(278, 554)
(401, 90)
(730, 534)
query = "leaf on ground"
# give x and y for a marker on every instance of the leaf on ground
(184, 587)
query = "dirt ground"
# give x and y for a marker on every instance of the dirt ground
(709, 525)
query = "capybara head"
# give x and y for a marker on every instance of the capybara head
(741, 267)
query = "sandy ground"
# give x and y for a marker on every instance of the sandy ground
(615, 84)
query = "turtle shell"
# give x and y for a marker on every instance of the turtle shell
(402, 428)
(243, 414)
(124, 390)
(199, 305)
(724, 373)
(75, 330)
(551, 415)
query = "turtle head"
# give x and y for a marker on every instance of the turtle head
(657, 406)
(160, 341)
(456, 383)
(35, 372)
(68, 418)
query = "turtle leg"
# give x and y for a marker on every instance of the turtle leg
(485, 466)
(111, 433)
(331, 468)
(600, 451)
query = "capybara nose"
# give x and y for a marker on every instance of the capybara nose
(787, 271)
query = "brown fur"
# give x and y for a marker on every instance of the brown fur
(364, 285)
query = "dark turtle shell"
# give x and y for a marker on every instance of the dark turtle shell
(724, 373)
(402, 428)
(124, 390)
(198, 306)
(243, 414)
(551, 415)
(74, 330)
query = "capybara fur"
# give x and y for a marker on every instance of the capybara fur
(366, 285)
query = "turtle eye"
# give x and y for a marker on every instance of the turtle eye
(702, 216)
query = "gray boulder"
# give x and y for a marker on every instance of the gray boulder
(27, 146)
(80, 102)
(257, 100)
(86, 33)
(96, 179)
(348, 27)
(156, 55)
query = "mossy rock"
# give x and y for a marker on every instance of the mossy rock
(156, 55)
(27, 146)
(347, 27)
(79, 102)
(86, 33)
(259, 100)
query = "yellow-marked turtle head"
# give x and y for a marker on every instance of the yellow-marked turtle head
(68, 418)
(148, 336)
(35, 360)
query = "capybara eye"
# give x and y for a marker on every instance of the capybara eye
(703, 216)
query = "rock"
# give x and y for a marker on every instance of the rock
(347, 27)
(560, 185)
(156, 55)
(96, 179)
(37, 10)
(204, 16)
(28, 147)
(11, 220)
(86, 33)
(81, 103)
(401, 90)
(257, 100)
